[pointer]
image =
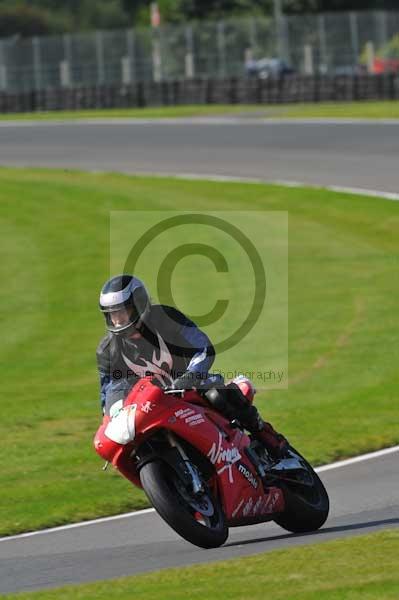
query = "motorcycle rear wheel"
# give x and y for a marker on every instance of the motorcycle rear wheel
(165, 492)
(306, 509)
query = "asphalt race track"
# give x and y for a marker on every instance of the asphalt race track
(364, 495)
(364, 155)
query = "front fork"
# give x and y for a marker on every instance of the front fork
(185, 469)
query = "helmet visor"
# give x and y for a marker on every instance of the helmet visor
(124, 301)
(122, 317)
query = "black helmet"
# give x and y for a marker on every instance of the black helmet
(124, 293)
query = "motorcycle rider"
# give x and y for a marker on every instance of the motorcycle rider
(146, 339)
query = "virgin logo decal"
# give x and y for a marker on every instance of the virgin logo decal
(226, 456)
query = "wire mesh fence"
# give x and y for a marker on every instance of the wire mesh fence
(333, 43)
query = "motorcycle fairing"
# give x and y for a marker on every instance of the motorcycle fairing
(243, 496)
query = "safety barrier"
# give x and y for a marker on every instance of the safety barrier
(249, 90)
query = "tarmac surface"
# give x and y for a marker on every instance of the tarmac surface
(364, 497)
(326, 153)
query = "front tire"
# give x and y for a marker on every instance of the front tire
(172, 502)
(306, 509)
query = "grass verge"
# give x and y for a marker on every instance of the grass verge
(358, 568)
(355, 110)
(343, 319)
(388, 109)
(195, 110)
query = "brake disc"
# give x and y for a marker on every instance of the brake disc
(203, 505)
(200, 503)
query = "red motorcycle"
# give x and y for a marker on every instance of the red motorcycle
(202, 473)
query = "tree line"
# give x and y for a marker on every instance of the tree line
(45, 17)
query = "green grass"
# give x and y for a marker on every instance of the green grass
(365, 109)
(358, 568)
(343, 323)
(196, 110)
(388, 109)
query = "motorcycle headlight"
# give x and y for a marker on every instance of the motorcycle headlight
(121, 429)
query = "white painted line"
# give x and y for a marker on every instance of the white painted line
(136, 513)
(336, 465)
(291, 184)
(364, 192)
(357, 459)
(328, 121)
(257, 180)
(209, 120)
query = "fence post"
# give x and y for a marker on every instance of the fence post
(308, 59)
(36, 63)
(131, 54)
(156, 55)
(323, 44)
(3, 68)
(100, 57)
(189, 57)
(354, 36)
(67, 59)
(3, 78)
(221, 49)
(65, 74)
(126, 70)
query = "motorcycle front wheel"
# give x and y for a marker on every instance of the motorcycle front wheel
(198, 519)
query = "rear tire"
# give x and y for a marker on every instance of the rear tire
(164, 490)
(306, 509)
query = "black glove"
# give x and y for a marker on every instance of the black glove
(187, 381)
